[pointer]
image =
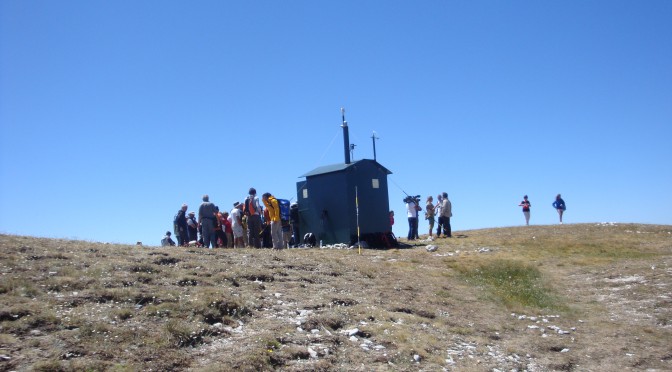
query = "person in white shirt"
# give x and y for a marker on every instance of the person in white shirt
(236, 217)
(412, 209)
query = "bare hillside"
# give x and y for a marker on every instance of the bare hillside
(587, 297)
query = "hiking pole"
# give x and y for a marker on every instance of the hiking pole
(359, 243)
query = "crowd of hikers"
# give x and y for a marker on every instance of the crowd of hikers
(248, 224)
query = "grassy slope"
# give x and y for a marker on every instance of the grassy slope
(571, 297)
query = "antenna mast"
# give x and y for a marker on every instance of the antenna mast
(374, 138)
(346, 137)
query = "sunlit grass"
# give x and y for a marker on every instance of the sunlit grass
(514, 283)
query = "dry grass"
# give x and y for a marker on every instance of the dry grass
(572, 297)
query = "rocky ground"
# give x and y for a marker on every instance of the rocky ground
(599, 300)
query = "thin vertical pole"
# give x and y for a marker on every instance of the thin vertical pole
(359, 243)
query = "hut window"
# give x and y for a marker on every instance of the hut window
(305, 193)
(374, 183)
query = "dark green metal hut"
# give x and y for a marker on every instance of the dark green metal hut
(334, 199)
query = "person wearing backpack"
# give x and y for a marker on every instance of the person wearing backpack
(167, 241)
(273, 208)
(252, 210)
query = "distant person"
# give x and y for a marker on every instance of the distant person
(219, 229)
(412, 209)
(437, 213)
(266, 238)
(391, 220)
(167, 241)
(429, 214)
(294, 221)
(246, 237)
(273, 208)
(446, 213)
(560, 206)
(206, 218)
(192, 227)
(237, 225)
(228, 230)
(180, 226)
(526, 209)
(252, 210)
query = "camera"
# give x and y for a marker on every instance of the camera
(412, 199)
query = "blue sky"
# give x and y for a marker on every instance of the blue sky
(113, 114)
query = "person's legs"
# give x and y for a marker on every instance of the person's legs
(410, 235)
(208, 233)
(446, 227)
(560, 214)
(438, 227)
(276, 234)
(253, 230)
(431, 227)
(527, 217)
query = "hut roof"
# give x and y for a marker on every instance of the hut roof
(341, 166)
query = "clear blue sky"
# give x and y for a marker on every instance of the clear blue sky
(114, 113)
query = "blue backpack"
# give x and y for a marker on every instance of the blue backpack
(284, 209)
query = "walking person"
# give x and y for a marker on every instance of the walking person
(446, 213)
(429, 214)
(526, 209)
(252, 210)
(206, 219)
(560, 206)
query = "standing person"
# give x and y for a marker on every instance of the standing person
(391, 220)
(294, 221)
(266, 239)
(206, 218)
(526, 209)
(219, 229)
(237, 225)
(252, 210)
(246, 238)
(429, 214)
(437, 212)
(560, 206)
(167, 241)
(228, 230)
(446, 213)
(180, 226)
(412, 209)
(273, 208)
(192, 227)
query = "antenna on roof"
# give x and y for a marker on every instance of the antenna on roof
(374, 138)
(346, 137)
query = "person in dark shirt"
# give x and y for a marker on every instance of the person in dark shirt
(526, 209)
(167, 241)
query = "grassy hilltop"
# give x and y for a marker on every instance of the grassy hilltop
(585, 297)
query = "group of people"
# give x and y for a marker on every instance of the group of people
(558, 204)
(248, 224)
(442, 211)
